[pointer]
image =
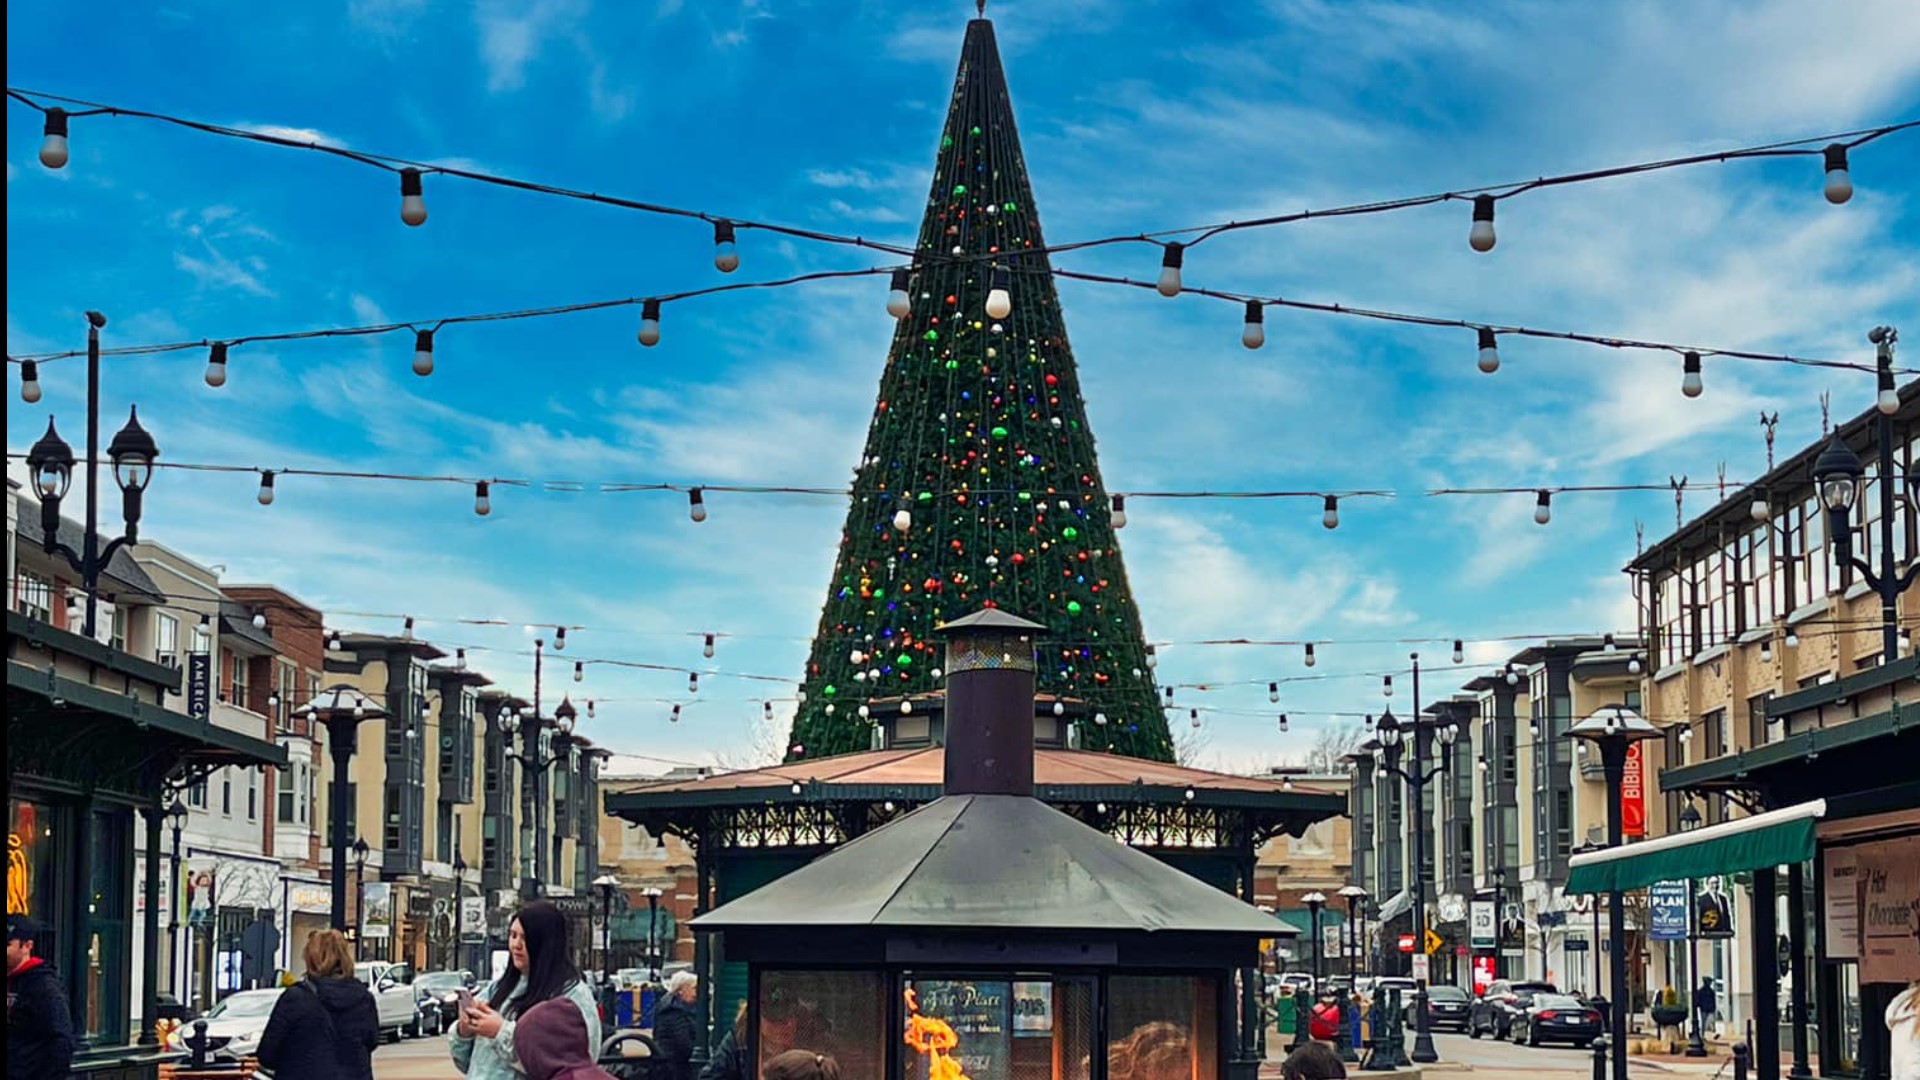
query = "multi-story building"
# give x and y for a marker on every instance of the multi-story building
(642, 862)
(1320, 860)
(1767, 670)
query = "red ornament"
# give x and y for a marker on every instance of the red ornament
(1052, 379)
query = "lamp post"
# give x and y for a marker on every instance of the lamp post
(360, 850)
(1837, 475)
(1353, 894)
(606, 883)
(177, 819)
(459, 908)
(653, 933)
(541, 740)
(50, 463)
(1593, 953)
(1391, 733)
(340, 709)
(1315, 901)
(1696, 1045)
(1613, 730)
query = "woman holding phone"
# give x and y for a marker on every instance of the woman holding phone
(539, 969)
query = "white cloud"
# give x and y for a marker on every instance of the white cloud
(296, 134)
(512, 35)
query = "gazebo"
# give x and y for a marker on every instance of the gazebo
(1007, 939)
(751, 828)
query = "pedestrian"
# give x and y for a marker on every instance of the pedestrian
(39, 1028)
(551, 1042)
(1903, 1027)
(729, 1060)
(1313, 1061)
(324, 1026)
(539, 969)
(801, 1065)
(1705, 1004)
(675, 1030)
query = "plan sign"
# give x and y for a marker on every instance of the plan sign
(1668, 901)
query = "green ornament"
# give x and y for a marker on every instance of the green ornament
(999, 432)
(1069, 532)
(828, 690)
(904, 660)
(1073, 607)
(1026, 496)
(1012, 207)
(959, 189)
(946, 142)
(931, 335)
(976, 131)
(953, 365)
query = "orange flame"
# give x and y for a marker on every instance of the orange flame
(936, 1039)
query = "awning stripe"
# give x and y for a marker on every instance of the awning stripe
(1771, 839)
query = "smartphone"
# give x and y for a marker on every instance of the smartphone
(466, 1001)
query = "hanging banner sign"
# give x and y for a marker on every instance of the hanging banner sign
(1668, 901)
(1483, 968)
(1889, 885)
(1483, 924)
(1713, 910)
(473, 916)
(1633, 793)
(1841, 908)
(377, 917)
(199, 685)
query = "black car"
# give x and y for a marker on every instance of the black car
(442, 990)
(1447, 1007)
(1557, 1018)
(1505, 999)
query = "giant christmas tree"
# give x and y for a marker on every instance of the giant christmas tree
(980, 437)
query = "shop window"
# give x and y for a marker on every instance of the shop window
(1001, 1029)
(1162, 1028)
(840, 1014)
(32, 874)
(109, 938)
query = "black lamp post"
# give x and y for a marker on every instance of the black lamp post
(1696, 1045)
(1593, 953)
(1315, 901)
(1391, 734)
(177, 819)
(459, 908)
(1612, 730)
(541, 741)
(360, 850)
(653, 934)
(1354, 894)
(606, 883)
(340, 709)
(50, 463)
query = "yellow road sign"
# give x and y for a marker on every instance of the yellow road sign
(1433, 942)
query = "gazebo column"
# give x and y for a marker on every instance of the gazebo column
(703, 851)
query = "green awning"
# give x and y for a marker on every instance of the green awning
(1775, 838)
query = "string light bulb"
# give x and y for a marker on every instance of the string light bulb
(1793, 639)
(1758, 510)
(1690, 382)
(589, 708)
(579, 670)
(696, 506)
(674, 717)
(266, 488)
(217, 364)
(1513, 677)
(1542, 507)
(1607, 643)
(1888, 399)
(766, 711)
(726, 256)
(1634, 666)
(259, 620)
(1330, 515)
(650, 322)
(1059, 709)
(460, 664)
(1766, 650)
(999, 294)
(482, 501)
(1119, 515)
(899, 304)
(1193, 717)
(560, 638)
(413, 203)
(1311, 659)
(706, 650)
(1489, 350)
(1253, 333)
(1459, 650)
(1838, 188)
(1283, 721)
(423, 352)
(1481, 237)
(1386, 686)
(53, 147)
(1153, 657)
(1170, 260)
(334, 644)
(1100, 719)
(1273, 692)
(29, 382)
(406, 628)
(902, 517)
(693, 682)
(906, 707)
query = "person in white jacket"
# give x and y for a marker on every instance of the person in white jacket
(540, 968)
(1903, 1024)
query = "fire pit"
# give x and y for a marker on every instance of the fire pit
(986, 935)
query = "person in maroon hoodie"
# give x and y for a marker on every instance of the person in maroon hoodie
(551, 1041)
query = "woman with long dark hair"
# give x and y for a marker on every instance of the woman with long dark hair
(540, 968)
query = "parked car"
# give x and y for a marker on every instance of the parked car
(1447, 1007)
(1392, 982)
(235, 1023)
(1294, 982)
(1556, 1018)
(1504, 1000)
(439, 995)
(393, 997)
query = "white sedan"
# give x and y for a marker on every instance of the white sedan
(234, 1024)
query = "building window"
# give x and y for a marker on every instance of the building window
(33, 597)
(286, 679)
(253, 794)
(285, 788)
(118, 633)
(236, 677)
(197, 794)
(1759, 732)
(226, 791)
(166, 639)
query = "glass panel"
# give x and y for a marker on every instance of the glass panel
(839, 1014)
(1162, 1028)
(31, 872)
(998, 1029)
(109, 907)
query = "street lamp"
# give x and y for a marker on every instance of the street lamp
(177, 819)
(1837, 475)
(1612, 730)
(1391, 733)
(1593, 953)
(1696, 1046)
(50, 463)
(606, 883)
(1354, 894)
(340, 709)
(653, 934)
(542, 741)
(360, 850)
(459, 907)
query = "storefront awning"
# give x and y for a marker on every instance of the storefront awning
(1775, 838)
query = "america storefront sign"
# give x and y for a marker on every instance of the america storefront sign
(1633, 793)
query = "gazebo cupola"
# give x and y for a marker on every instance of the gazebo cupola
(987, 935)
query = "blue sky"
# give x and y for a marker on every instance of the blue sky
(1133, 116)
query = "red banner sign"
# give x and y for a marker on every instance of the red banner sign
(1406, 943)
(1633, 793)
(1483, 967)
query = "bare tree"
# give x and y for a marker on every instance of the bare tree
(766, 744)
(1189, 743)
(1332, 744)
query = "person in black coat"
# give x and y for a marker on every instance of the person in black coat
(39, 1028)
(675, 1028)
(325, 1026)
